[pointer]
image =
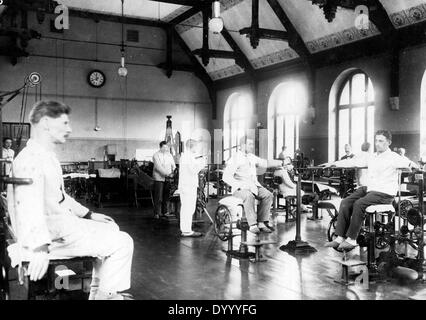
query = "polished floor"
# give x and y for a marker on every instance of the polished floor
(166, 266)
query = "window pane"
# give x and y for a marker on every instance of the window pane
(343, 130)
(370, 126)
(226, 138)
(289, 133)
(344, 97)
(297, 133)
(280, 134)
(357, 134)
(358, 88)
(370, 91)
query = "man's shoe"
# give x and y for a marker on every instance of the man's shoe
(270, 227)
(254, 229)
(193, 234)
(346, 246)
(263, 228)
(332, 244)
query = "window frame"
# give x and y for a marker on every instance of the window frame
(365, 105)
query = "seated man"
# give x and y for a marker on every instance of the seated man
(381, 188)
(287, 187)
(51, 223)
(240, 174)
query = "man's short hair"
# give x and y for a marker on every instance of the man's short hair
(7, 138)
(162, 143)
(48, 108)
(365, 146)
(385, 133)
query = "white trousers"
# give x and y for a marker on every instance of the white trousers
(112, 248)
(188, 200)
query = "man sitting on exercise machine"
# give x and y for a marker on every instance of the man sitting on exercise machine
(240, 174)
(381, 188)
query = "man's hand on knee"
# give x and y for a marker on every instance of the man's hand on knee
(101, 218)
(38, 264)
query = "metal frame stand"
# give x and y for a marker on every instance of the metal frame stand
(298, 246)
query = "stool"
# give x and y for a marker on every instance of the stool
(373, 212)
(346, 265)
(257, 244)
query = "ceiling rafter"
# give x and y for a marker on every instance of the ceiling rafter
(246, 65)
(189, 3)
(295, 41)
(380, 18)
(199, 71)
(186, 15)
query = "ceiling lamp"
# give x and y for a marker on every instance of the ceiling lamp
(122, 71)
(216, 22)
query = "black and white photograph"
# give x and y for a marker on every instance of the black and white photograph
(212, 155)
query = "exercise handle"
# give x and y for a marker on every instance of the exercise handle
(17, 181)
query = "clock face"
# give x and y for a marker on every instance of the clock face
(96, 78)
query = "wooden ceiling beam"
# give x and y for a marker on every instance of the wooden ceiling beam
(189, 3)
(199, 71)
(295, 41)
(380, 18)
(267, 34)
(186, 15)
(220, 54)
(241, 57)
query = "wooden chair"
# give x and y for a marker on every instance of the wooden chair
(62, 276)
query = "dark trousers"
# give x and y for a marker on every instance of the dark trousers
(352, 210)
(265, 199)
(161, 197)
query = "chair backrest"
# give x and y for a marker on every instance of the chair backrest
(8, 203)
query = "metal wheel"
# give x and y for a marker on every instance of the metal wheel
(223, 223)
(331, 235)
(331, 232)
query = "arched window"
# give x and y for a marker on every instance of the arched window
(237, 113)
(423, 119)
(286, 105)
(355, 113)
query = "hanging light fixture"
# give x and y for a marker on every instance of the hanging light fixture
(216, 22)
(122, 71)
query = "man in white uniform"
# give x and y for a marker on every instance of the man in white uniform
(51, 223)
(189, 166)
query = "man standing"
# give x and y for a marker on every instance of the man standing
(381, 188)
(190, 164)
(164, 165)
(8, 154)
(240, 174)
(51, 223)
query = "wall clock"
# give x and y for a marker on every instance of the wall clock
(96, 78)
